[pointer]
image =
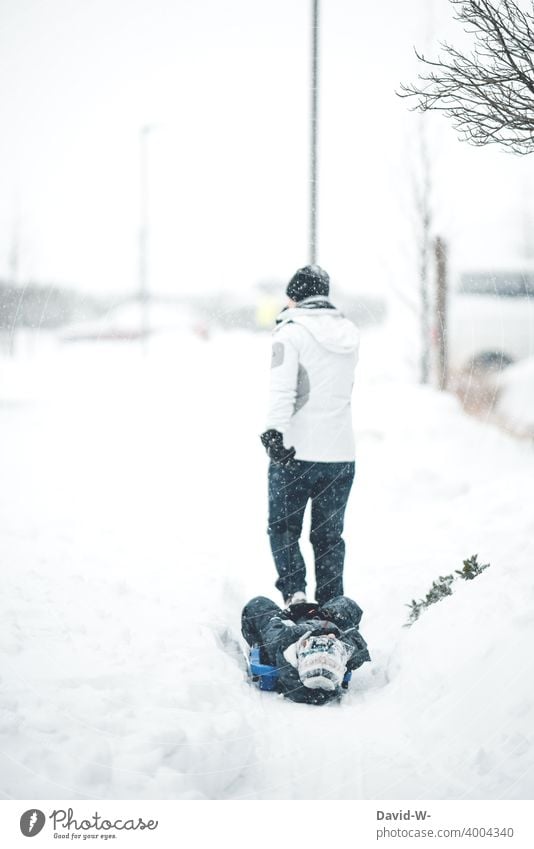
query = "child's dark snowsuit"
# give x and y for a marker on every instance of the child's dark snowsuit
(263, 623)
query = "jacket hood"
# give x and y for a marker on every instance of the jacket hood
(327, 325)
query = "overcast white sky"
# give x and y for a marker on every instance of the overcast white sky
(227, 86)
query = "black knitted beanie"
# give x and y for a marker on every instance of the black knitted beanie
(308, 282)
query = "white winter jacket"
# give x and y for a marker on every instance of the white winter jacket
(315, 350)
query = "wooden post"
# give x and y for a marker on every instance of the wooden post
(440, 252)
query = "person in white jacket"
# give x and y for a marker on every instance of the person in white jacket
(309, 436)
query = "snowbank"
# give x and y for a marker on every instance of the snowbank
(134, 517)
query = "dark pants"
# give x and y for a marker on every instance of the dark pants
(290, 488)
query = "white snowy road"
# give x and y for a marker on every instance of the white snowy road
(133, 505)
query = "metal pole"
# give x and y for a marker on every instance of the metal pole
(425, 248)
(143, 233)
(14, 284)
(441, 311)
(314, 128)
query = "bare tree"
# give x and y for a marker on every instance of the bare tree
(422, 187)
(489, 91)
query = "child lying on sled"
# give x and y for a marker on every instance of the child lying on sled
(311, 646)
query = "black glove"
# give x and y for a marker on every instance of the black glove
(274, 445)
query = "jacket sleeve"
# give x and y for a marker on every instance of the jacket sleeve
(280, 633)
(360, 653)
(283, 384)
(346, 614)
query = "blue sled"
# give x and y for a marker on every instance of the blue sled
(266, 677)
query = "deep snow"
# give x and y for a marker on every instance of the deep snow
(133, 504)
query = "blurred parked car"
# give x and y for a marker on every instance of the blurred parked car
(491, 320)
(515, 397)
(124, 323)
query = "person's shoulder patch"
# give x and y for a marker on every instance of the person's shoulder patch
(277, 355)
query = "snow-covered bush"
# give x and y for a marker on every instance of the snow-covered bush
(442, 587)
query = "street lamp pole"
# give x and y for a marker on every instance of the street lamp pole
(314, 129)
(143, 231)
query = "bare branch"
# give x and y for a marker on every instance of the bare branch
(489, 92)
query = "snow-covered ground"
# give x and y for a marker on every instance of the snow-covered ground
(133, 504)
